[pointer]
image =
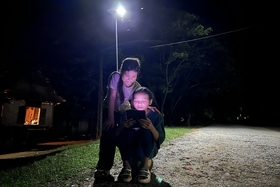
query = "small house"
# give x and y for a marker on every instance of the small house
(27, 106)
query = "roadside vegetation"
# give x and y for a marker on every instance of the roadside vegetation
(64, 163)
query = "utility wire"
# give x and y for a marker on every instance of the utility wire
(196, 39)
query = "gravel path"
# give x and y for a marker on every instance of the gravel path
(222, 156)
(216, 156)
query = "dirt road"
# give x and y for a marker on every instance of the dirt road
(218, 155)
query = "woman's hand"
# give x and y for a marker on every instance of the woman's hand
(154, 109)
(146, 123)
(109, 123)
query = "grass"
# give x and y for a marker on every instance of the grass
(68, 162)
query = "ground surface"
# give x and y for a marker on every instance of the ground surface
(215, 155)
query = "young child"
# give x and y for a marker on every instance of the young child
(140, 143)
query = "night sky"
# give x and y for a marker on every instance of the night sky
(251, 26)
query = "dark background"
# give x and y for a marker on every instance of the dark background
(249, 27)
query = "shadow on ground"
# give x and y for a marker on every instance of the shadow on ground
(154, 183)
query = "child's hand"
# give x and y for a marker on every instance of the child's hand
(127, 123)
(146, 123)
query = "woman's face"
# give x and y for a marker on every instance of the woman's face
(141, 101)
(129, 77)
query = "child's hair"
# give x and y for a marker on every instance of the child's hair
(144, 90)
(128, 64)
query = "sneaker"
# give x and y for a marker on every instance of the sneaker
(103, 175)
(125, 175)
(143, 176)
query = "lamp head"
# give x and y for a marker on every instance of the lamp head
(120, 11)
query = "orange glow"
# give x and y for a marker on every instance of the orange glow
(32, 116)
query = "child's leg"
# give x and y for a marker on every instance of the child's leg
(146, 144)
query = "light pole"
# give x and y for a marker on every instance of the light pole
(120, 11)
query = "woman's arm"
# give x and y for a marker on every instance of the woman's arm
(110, 121)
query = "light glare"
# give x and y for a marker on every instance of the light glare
(121, 11)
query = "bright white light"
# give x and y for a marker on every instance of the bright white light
(121, 11)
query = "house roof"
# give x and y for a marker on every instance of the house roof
(35, 86)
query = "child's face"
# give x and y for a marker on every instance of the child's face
(129, 77)
(141, 101)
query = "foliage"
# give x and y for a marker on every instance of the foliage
(174, 132)
(181, 69)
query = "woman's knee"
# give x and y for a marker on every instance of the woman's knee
(108, 135)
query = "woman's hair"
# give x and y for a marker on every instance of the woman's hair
(144, 90)
(128, 64)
